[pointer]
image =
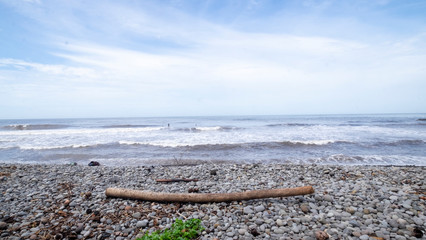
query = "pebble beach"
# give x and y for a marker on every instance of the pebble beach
(350, 202)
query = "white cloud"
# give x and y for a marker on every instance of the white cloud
(120, 55)
(55, 70)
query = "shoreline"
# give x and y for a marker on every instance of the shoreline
(350, 201)
(191, 163)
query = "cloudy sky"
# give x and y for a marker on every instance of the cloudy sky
(211, 57)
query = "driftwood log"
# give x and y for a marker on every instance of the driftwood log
(176, 180)
(207, 197)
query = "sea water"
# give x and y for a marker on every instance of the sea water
(397, 139)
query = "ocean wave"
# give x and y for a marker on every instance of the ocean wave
(204, 129)
(188, 146)
(57, 147)
(405, 142)
(228, 146)
(131, 143)
(5, 148)
(130, 126)
(289, 125)
(21, 127)
(75, 146)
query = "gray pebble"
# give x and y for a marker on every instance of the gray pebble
(142, 223)
(354, 223)
(259, 208)
(364, 237)
(328, 198)
(361, 204)
(248, 210)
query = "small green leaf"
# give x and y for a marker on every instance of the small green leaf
(179, 230)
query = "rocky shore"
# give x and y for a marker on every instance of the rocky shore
(350, 202)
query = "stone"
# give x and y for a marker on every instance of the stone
(393, 223)
(304, 208)
(114, 179)
(248, 210)
(417, 232)
(87, 234)
(3, 226)
(364, 237)
(259, 208)
(402, 223)
(295, 229)
(142, 223)
(104, 235)
(137, 215)
(354, 223)
(393, 198)
(320, 235)
(44, 220)
(313, 206)
(398, 237)
(328, 198)
(280, 222)
(94, 163)
(80, 228)
(350, 210)
(368, 221)
(418, 221)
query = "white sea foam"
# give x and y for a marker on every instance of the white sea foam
(53, 147)
(78, 131)
(330, 140)
(208, 128)
(315, 142)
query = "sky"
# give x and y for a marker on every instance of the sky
(128, 58)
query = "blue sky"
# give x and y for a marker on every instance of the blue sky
(61, 59)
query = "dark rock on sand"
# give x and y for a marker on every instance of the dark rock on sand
(418, 232)
(3, 226)
(94, 163)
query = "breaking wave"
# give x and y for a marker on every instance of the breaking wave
(289, 125)
(34, 126)
(224, 146)
(204, 129)
(129, 126)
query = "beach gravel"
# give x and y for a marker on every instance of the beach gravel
(350, 202)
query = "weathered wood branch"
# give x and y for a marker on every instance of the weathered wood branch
(176, 180)
(207, 197)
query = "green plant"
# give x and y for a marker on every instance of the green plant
(179, 230)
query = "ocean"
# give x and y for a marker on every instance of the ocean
(390, 139)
